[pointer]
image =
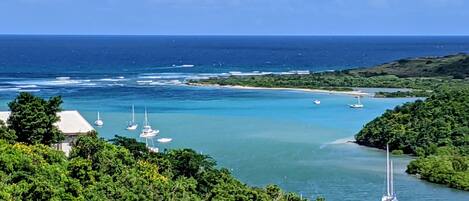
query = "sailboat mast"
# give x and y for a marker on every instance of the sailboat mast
(387, 170)
(98, 116)
(392, 183)
(359, 100)
(146, 117)
(133, 114)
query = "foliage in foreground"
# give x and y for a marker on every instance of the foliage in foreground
(98, 170)
(436, 130)
(33, 118)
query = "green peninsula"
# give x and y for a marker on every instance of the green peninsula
(421, 75)
(436, 130)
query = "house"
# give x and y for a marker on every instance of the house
(71, 123)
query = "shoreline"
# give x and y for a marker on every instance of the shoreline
(351, 93)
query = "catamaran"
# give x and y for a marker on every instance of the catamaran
(98, 121)
(358, 104)
(390, 195)
(132, 125)
(147, 131)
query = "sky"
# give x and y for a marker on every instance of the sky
(235, 17)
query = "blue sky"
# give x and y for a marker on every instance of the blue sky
(235, 17)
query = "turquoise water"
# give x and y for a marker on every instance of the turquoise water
(262, 136)
(266, 136)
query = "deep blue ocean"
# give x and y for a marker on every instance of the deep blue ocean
(262, 136)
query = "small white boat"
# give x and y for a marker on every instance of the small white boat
(98, 121)
(164, 140)
(132, 125)
(147, 131)
(389, 195)
(358, 104)
(317, 102)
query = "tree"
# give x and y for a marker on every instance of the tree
(6, 133)
(138, 149)
(188, 163)
(33, 118)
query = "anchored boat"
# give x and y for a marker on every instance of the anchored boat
(358, 104)
(132, 125)
(147, 131)
(98, 121)
(390, 195)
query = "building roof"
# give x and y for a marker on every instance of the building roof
(71, 122)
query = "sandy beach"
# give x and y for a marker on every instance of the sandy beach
(351, 93)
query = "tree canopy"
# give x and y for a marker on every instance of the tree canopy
(422, 126)
(98, 170)
(435, 129)
(33, 118)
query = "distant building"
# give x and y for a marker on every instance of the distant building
(71, 123)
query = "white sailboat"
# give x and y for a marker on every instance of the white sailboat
(132, 125)
(147, 131)
(98, 121)
(390, 195)
(358, 104)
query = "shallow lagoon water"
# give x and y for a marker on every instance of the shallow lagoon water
(267, 136)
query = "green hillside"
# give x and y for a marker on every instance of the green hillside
(456, 66)
(436, 130)
(423, 75)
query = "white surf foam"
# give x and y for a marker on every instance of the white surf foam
(339, 141)
(27, 86)
(10, 89)
(29, 90)
(111, 79)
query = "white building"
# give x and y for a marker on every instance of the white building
(71, 123)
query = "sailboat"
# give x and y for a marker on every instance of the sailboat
(358, 104)
(390, 195)
(317, 102)
(98, 121)
(147, 131)
(132, 125)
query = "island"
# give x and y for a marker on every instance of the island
(421, 76)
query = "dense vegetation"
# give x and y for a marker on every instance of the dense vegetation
(404, 94)
(436, 130)
(122, 169)
(33, 118)
(456, 66)
(391, 75)
(419, 127)
(452, 170)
